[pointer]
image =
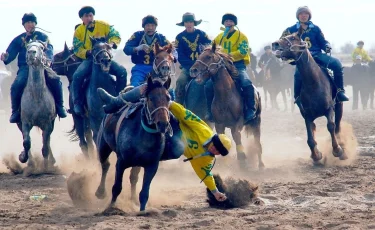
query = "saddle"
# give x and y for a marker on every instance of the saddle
(128, 110)
(329, 74)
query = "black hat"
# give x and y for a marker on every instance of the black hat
(189, 17)
(149, 19)
(229, 16)
(267, 47)
(85, 10)
(360, 43)
(29, 17)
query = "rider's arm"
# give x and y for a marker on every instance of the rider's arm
(242, 49)
(202, 167)
(131, 44)
(113, 36)
(354, 54)
(322, 42)
(183, 59)
(204, 40)
(78, 41)
(13, 49)
(365, 56)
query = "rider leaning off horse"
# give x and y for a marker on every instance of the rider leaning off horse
(18, 47)
(83, 49)
(235, 44)
(316, 42)
(140, 47)
(189, 46)
(359, 51)
(201, 145)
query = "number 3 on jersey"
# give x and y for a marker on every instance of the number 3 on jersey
(147, 59)
(194, 55)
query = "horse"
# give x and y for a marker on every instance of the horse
(37, 104)
(66, 63)
(5, 85)
(227, 105)
(359, 78)
(317, 94)
(138, 141)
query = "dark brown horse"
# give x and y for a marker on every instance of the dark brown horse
(66, 63)
(317, 93)
(227, 105)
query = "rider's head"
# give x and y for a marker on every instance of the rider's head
(360, 44)
(29, 22)
(86, 13)
(268, 49)
(303, 14)
(188, 20)
(219, 145)
(149, 24)
(229, 20)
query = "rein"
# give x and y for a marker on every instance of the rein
(101, 51)
(150, 120)
(218, 65)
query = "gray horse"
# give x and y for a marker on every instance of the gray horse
(37, 104)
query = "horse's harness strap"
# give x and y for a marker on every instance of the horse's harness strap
(101, 51)
(119, 122)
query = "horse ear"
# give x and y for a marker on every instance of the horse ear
(300, 32)
(66, 51)
(169, 48)
(213, 48)
(156, 48)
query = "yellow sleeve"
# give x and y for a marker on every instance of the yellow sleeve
(78, 48)
(354, 54)
(202, 167)
(366, 57)
(188, 118)
(242, 49)
(110, 32)
(218, 38)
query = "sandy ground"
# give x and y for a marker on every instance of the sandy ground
(297, 195)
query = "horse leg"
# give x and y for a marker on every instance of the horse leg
(103, 151)
(284, 99)
(372, 98)
(117, 187)
(134, 173)
(80, 129)
(316, 155)
(241, 156)
(258, 145)
(49, 160)
(150, 172)
(339, 107)
(265, 97)
(355, 98)
(24, 156)
(337, 150)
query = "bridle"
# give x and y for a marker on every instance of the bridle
(164, 76)
(94, 56)
(150, 117)
(40, 56)
(291, 46)
(65, 63)
(218, 65)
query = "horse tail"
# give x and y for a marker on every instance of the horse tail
(73, 135)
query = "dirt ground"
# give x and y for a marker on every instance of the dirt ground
(297, 195)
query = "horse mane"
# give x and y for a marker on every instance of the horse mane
(228, 60)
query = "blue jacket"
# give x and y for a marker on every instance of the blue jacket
(188, 46)
(19, 44)
(141, 57)
(313, 36)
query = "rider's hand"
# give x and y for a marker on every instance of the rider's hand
(4, 56)
(328, 48)
(144, 47)
(220, 196)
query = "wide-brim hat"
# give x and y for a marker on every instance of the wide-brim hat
(189, 17)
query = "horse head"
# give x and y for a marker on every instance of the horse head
(163, 62)
(101, 53)
(209, 62)
(290, 47)
(157, 103)
(35, 53)
(65, 59)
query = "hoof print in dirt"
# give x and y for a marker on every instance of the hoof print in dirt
(239, 193)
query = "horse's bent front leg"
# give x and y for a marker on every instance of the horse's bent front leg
(24, 156)
(316, 155)
(150, 172)
(117, 187)
(134, 172)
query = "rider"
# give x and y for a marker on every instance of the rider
(18, 47)
(253, 62)
(265, 57)
(189, 45)
(140, 47)
(316, 42)
(235, 44)
(361, 52)
(201, 145)
(83, 49)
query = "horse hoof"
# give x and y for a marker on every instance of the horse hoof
(100, 194)
(261, 166)
(241, 156)
(23, 157)
(338, 152)
(318, 157)
(343, 157)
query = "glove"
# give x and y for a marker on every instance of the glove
(4, 56)
(328, 48)
(144, 47)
